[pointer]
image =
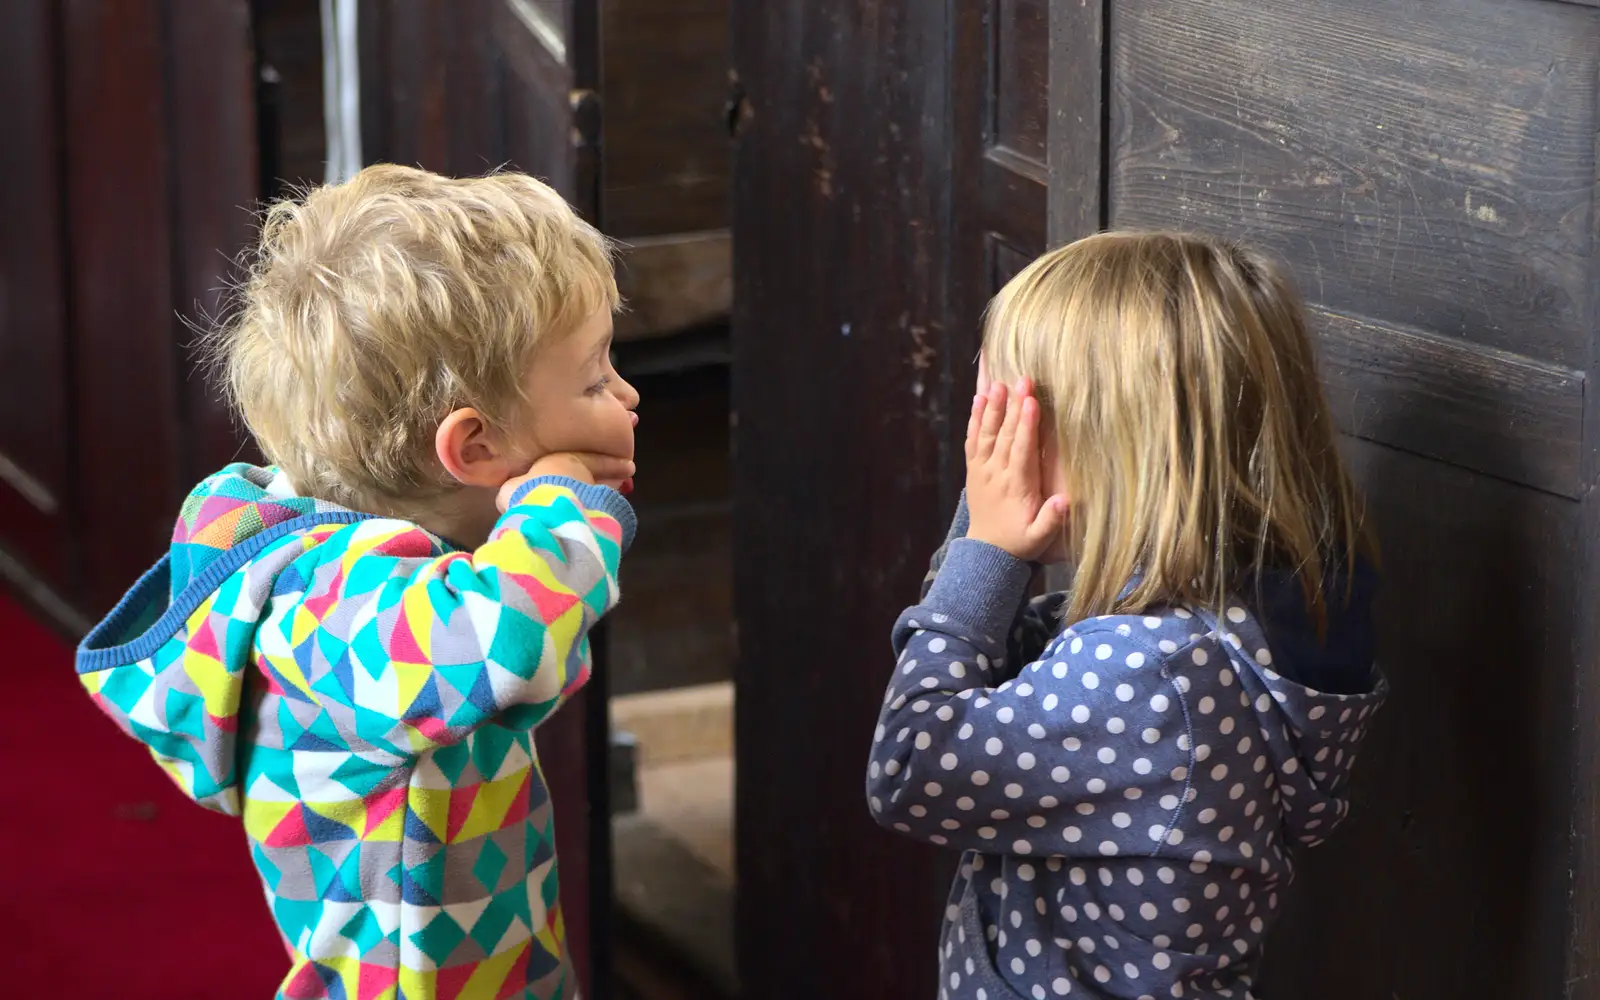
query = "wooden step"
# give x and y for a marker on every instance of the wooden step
(677, 725)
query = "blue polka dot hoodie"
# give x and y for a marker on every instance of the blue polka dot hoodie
(1129, 792)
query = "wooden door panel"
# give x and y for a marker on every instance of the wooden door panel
(120, 267)
(212, 81)
(1428, 170)
(840, 219)
(664, 84)
(999, 124)
(1450, 877)
(539, 85)
(1020, 59)
(33, 335)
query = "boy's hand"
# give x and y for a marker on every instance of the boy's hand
(1008, 508)
(607, 470)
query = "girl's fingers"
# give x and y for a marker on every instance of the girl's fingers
(1024, 445)
(1008, 428)
(978, 403)
(1050, 522)
(994, 414)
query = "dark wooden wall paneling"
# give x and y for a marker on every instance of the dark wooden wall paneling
(664, 81)
(841, 462)
(128, 192)
(216, 185)
(1456, 336)
(1430, 173)
(120, 258)
(35, 417)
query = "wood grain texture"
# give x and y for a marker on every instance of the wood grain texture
(1429, 170)
(1015, 197)
(664, 85)
(1583, 938)
(35, 475)
(840, 459)
(1488, 410)
(674, 283)
(1582, 957)
(1005, 260)
(1020, 58)
(1450, 877)
(999, 180)
(211, 69)
(1432, 165)
(1077, 119)
(416, 131)
(124, 332)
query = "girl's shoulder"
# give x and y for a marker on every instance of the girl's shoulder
(1157, 634)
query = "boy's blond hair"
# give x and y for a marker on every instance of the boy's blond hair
(375, 307)
(1197, 444)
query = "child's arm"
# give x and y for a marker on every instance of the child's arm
(440, 645)
(1037, 620)
(1083, 753)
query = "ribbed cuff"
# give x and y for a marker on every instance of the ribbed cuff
(962, 520)
(593, 497)
(981, 585)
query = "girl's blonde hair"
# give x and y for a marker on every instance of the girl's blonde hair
(1198, 447)
(373, 308)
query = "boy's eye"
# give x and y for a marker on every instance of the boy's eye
(600, 386)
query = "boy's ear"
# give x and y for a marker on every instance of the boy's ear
(470, 450)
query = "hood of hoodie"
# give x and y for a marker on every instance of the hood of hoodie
(1313, 695)
(168, 664)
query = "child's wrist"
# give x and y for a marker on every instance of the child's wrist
(980, 584)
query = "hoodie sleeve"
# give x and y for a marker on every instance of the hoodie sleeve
(439, 645)
(1082, 753)
(1036, 621)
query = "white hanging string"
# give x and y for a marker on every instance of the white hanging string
(341, 89)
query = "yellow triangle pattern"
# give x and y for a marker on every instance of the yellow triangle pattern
(290, 671)
(432, 806)
(419, 614)
(262, 816)
(488, 810)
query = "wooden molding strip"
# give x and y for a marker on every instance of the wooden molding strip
(1479, 407)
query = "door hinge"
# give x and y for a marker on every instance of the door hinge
(585, 106)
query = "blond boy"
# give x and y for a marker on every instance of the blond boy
(350, 648)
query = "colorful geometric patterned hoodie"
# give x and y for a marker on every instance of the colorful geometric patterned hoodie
(363, 695)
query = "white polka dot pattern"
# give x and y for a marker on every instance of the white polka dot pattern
(1127, 795)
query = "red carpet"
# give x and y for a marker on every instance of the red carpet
(112, 884)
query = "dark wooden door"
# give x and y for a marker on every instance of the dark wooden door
(35, 477)
(104, 422)
(1429, 170)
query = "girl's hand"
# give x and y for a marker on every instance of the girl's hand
(606, 470)
(1009, 510)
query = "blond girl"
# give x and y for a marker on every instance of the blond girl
(1131, 766)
